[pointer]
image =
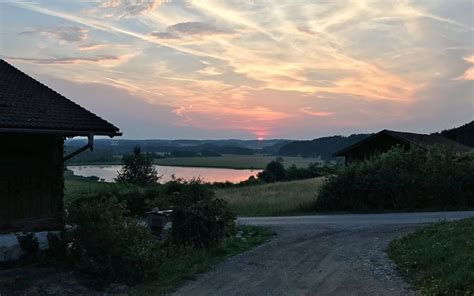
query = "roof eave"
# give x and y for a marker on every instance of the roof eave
(66, 133)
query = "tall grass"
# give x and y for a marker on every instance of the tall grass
(284, 198)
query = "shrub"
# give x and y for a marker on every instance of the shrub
(201, 224)
(109, 246)
(401, 180)
(186, 192)
(199, 219)
(311, 171)
(138, 200)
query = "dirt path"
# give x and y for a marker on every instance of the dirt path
(318, 255)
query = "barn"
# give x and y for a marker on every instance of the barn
(385, 140)
(34, 122)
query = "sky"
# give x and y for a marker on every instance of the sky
(251, 69)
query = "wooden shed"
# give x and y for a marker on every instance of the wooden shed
(383, 141)
(34, 122)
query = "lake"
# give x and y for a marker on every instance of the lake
(109, 172)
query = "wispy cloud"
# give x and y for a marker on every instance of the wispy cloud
(106, 61)
(260, 67)
(469, 73)
(91, 46)
(70, 34)
(310, 111)
(129, 8)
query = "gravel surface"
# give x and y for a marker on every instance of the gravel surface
(318, 255)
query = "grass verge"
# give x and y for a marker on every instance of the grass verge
(283, 198)
(439, 259)
(187, 264)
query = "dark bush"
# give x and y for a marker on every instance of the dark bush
(138, 200)
(402, 180)
(311, 171)
(274, 172)
(199, 219)
(186, 192)
(201, 224)
(109, 246)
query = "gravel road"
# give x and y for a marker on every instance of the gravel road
(318, 255)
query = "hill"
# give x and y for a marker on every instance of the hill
(111, 150)
(463, 134)
(324, 147)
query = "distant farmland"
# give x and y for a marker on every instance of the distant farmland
(234, 161)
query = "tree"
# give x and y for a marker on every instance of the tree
(137, 169)
(274, 172)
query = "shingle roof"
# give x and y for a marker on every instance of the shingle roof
(420, 140)
(30, 106)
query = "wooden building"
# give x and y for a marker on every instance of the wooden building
(34, 121)
(385, 140)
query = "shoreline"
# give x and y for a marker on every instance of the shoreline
(171, 165)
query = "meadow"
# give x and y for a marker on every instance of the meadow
(256, 161)
(275, 199)
(283, 198)
(439, 259)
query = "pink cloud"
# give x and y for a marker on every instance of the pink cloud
(310, 111)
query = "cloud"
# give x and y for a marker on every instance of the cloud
(209, 71)
(260, 67)
(189, 29)
(164, 35)
(103, 60)
(469, 73)
(196, 28)
(129, 8)
(310, 111)
(91, 46)
(70, 34)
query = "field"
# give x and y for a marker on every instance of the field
(275, 199)
(234, 161)
(438, 260)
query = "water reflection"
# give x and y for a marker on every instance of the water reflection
(109, 172)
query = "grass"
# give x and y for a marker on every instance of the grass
(275, 199)
(438, 260)
(81, 187)
(186, 265)
(234, 161)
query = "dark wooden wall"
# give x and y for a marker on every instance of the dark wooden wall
(31, 182)
(375, 146)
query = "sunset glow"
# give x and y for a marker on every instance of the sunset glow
(251, 69)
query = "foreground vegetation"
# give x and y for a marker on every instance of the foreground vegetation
(107, 242)
(283, 198)
(183, 265)
(256, 161)
(437, 179)
(438, 260)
